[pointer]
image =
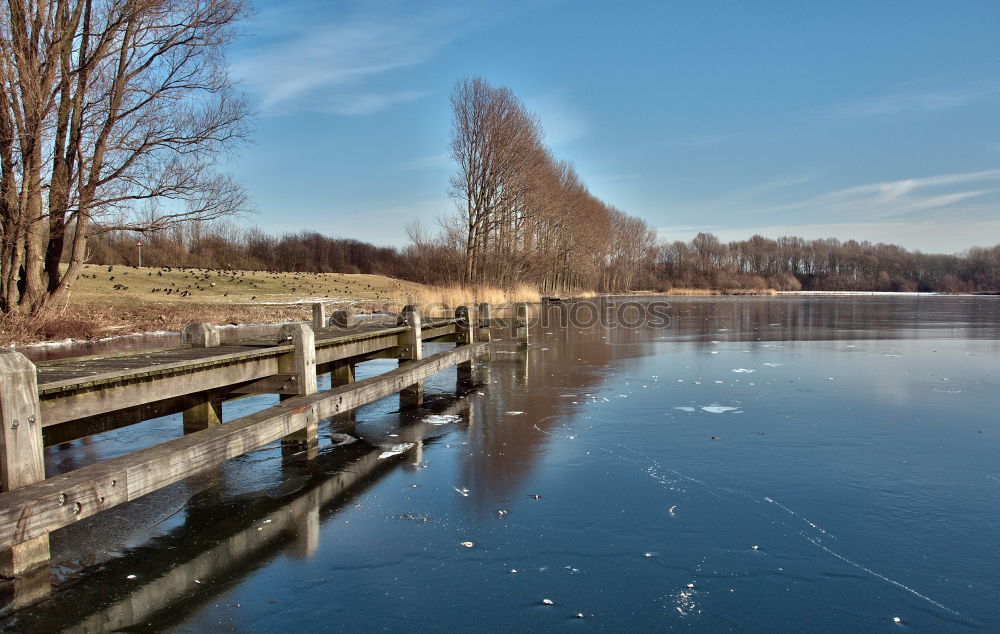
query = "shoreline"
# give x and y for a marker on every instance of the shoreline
(152, 320)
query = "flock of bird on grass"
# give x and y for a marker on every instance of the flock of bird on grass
(202, 280)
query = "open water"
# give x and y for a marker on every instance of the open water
(749, 464)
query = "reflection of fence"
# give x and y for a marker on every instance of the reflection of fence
(63, 400)
(212, 546)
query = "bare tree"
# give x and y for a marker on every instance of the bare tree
(108, 108)
(493, 139)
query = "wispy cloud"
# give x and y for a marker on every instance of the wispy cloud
(908, 101)
(891, 198)
(755, 191)
(309, 60)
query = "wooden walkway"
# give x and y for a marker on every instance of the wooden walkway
(63, 400)
(82, 397)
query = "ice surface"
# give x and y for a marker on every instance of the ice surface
(395, 450)
(717, 409)
(442, 419)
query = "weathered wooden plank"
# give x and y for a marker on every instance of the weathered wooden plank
(356, 348)
(213, 357)
(276, 384)
(112, 384)
(37, 509)
(147, 389)
(22, 459)
(411, 348)
(107, 421)
(301, 363)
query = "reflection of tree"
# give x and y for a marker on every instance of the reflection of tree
(560, 361)
(505, 447)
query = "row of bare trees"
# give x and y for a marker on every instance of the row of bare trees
(227, 245)
(790, 263)
(523, 217)
(112, 115)
(633, 259)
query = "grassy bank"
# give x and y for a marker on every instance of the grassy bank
(108, 301)
(116, 300)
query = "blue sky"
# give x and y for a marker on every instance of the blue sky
(866, 120)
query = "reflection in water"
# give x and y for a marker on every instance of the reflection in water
(624, 472)
(229, 528)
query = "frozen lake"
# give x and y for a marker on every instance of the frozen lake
(813, 464)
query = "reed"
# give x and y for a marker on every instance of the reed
(441, 299)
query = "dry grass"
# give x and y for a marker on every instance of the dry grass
(141, 286)
(442, 299)
(750, 291)
(97, 320)
(694, 292)
(97, 309)
(706, 292)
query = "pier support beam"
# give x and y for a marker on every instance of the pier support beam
(484, 317)
(342, 375)
(301, 362)
(22, 458)
(520, 325)
(411, 349)
(209, 411)
(203, 415)
(465, 334)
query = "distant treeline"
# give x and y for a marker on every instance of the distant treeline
(784, 264)
(223, 244)
(790, 263)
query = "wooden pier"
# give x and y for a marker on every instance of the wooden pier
(60, 401)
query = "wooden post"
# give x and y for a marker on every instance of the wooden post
(342, 319)
(343, 375)
(203, 415)
(411, 349)
(520, 325)
(302, 363)
(484, 325)
(464, 335)
(200, 335)
(22, 459)
(208, 412)
(319, 315)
